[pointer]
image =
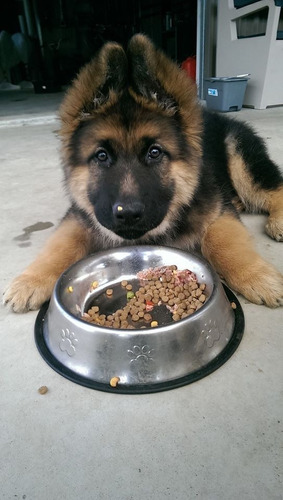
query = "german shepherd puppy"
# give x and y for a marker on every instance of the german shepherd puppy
(144, 163)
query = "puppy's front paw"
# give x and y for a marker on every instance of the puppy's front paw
(28, 292)
(261, 285)
(274, 228)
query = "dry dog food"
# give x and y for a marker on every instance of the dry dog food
(43, 389)
(177, 290)
(114, 381)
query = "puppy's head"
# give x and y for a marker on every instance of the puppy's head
(131, 132)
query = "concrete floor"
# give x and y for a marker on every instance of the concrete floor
(217, 439)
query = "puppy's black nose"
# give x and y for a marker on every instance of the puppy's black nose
(129, 212)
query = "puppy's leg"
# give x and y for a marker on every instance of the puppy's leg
(34, 286)
(274, 206)
(228, 247)
(256, 178)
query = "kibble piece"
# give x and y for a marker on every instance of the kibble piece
(180, 311)
(124, 324)
(176, 317)
(190, 311)
(124, 283)
(147, 317)
(129, 286)
(154, 324)
(43, 389)
(70, 289)
(133, 310)
(233, 305)
(198, 306)
(109, 292)
(119, 312)
(114, 381)
(94, 284)
(130, 295)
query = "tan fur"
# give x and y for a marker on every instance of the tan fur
(238, 204)
(254, 198)
(186, 181)
(78, 182)
(228, 247)
(274, 206)
(251, 196)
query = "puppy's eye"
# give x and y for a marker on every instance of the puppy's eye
(101, 155)
(154, 154)
(102, 158)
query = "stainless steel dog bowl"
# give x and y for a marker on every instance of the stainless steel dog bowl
(145, 360)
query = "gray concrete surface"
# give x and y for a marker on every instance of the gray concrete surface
(217, 439)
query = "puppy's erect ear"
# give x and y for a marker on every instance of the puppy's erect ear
(145, 81)
(97, 86)
(108, 76)
(156, 78)
(157, 82)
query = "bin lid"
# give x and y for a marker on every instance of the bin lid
(228, 78)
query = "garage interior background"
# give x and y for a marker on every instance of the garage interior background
(45, 43)
(55, 38)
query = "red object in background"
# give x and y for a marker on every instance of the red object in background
(189, 65)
